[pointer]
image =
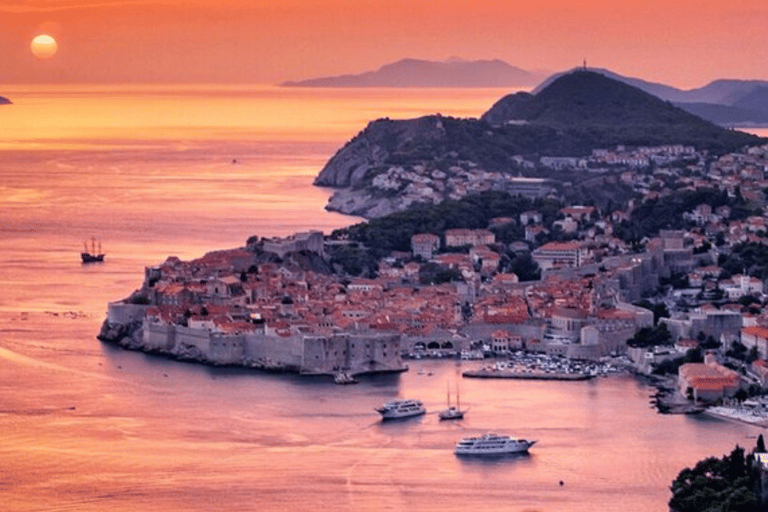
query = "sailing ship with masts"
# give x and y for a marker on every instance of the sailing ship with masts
(453, 412)
(93, 253)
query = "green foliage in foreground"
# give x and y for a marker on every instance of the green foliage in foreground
(718, 485)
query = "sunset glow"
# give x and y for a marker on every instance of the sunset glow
(685, 43)
(43, 46)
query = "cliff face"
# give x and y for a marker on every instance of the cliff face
(391, 165)
(373, 147)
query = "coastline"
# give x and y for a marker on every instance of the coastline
(739, 414)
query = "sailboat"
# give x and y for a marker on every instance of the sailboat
(91, 254)
(453, 412)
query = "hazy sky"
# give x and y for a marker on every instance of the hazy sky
(680, 42)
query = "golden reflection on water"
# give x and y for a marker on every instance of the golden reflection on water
(89, 116)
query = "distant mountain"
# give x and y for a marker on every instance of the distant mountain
(424, 73)
(4, 101)
(725, 115)
(723, 91)
(725, 102)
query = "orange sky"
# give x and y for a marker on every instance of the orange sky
(685, 43)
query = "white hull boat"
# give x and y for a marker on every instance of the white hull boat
(492, 444)
(397, 409)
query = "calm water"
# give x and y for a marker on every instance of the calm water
(150, 172)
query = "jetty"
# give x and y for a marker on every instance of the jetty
(493, 373)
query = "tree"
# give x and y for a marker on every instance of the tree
(432, 273)
(525, 268)
(716, 485)
(651, 337)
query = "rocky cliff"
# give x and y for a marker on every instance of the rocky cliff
(393, 164)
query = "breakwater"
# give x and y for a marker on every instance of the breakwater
(490, 373)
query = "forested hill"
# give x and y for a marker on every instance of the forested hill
(602, 112)
(393, 164)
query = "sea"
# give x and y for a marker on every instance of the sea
(152, 171)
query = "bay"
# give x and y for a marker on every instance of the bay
(154, 171)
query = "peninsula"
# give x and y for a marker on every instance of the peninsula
(515, 146)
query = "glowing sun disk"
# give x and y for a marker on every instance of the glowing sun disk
(43, 46)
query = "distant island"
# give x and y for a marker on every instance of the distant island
(425, 73)
(5, 101)
(727, 102)
(517, 146)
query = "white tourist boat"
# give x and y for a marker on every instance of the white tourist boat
(397, 409)
(492, 444)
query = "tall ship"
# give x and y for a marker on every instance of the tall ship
(492, 444)
(397, 409)
(453, 412)
(92, 254)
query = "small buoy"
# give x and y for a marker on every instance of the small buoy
(562, 483)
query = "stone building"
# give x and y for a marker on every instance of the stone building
(461, 237)
(708, 381)
(424, 245)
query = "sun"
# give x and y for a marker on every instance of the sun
(43, 46)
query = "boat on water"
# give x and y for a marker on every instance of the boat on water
(453, 412)
(344, 378)
(92, 254)
(492, 444)
(397, 409)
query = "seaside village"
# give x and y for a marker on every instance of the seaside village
(231, 307)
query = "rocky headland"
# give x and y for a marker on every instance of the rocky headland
(5, 101)
(393, 164)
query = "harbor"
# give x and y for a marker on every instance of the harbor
(535, 366)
